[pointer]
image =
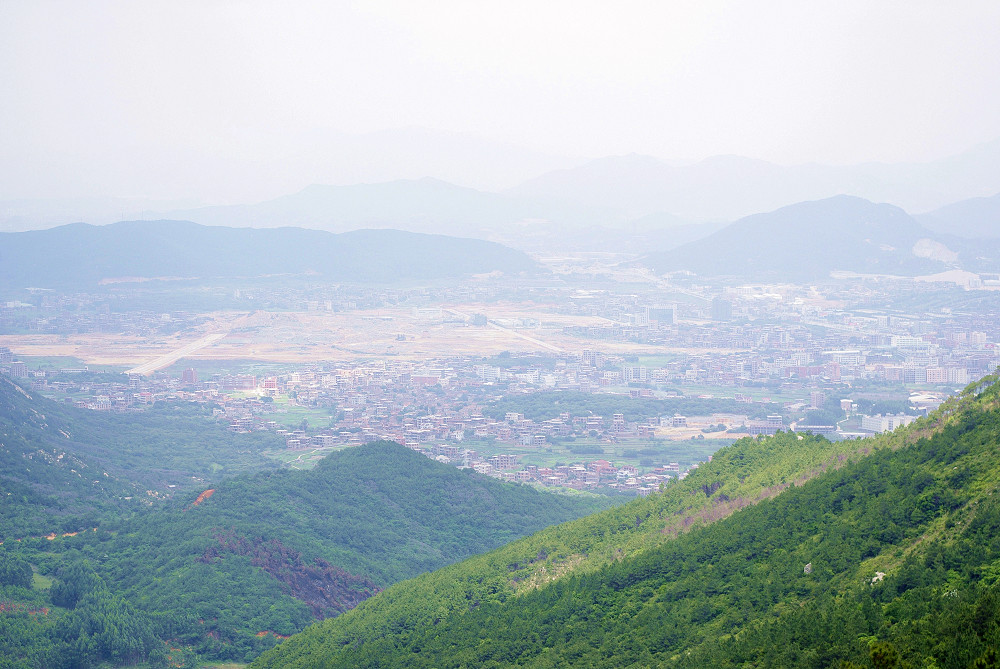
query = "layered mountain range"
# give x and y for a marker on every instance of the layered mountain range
(628, 203)
(807, 241)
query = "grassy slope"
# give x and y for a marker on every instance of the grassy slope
(622, 586)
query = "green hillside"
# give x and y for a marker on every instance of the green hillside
(225, 572)
(890, 557)
(319, 541)
(63, 469)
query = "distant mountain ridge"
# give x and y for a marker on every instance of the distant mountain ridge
(595, 205)
(731, 187)
(717, 188)
(602, 203)
(417, 205)
(972, 218)
(81, 254)
(421, 204)
(438, 206)
(809, 240)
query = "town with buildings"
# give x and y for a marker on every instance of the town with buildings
(844, 359)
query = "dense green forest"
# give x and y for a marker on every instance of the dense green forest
(890, 557)
(547, 405)
(63, 469)
(224, 572)
(296, 545)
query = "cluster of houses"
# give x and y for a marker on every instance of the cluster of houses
(578, 476)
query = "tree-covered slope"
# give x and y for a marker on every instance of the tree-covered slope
(63, 468)
(227, 571)
(892, 557)
(381, 510)
(78, 622)
(737, 476)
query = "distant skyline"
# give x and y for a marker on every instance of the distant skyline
(243, 101)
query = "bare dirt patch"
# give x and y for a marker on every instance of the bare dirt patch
(301, 337)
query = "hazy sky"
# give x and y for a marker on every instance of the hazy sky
(246, 100)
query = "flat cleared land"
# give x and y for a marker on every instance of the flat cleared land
(301, 337)
(172, 357)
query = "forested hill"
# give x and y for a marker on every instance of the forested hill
(224, 572)
(81, 254)
(65, 469)
(888, 558)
